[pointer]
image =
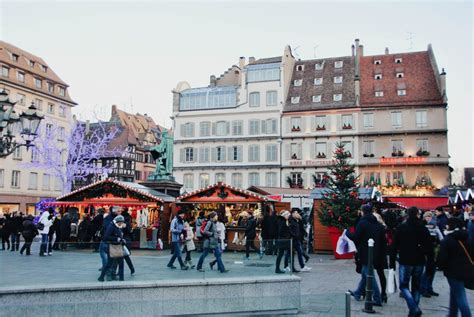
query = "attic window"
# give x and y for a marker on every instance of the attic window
(318, 81)
(295, 100)
(337, 97)
(398, 60)
(44, 68)
(318, 66)
(400, 75)
(31, 63)
(298, 82)
(378, 77)
(377, 62)
(317, 98)
(338, 64)
(379, 93)
(15, 57)
(299, 68)
(401, 92)
(338, 79)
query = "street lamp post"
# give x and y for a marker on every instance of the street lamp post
(29, 120)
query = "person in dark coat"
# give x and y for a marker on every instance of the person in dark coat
(251, 234)
(83, 232)
(413, 244)
(29, 231)
(270, 232)
(104, 245)
(127, 235)
(96, 227)
(17, 226)
(114, 235)
(65, 231)
(284, 241)
(7, 229)
(369, 228)
(456, 259)
(54, 230)
(441, 219)
(297, 235)
(2, 231)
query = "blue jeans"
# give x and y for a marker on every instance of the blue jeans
(44, 243)
(217, 253)
(111, 266)
(427, 277)
(407, 272)
(103, 252)
(15, 239)
(176, 254)
(458, 299)
(363, 283)
(299, 251)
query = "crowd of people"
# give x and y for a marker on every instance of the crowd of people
(420, 243)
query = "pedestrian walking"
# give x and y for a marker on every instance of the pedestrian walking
(96, 228)
(456, 259)
(4, 234)
(284, 242)
(368, 228)
(297, 233)
(54, 234)
(426, 287)
(16, 227)
(270, 231)
(412, 243)
(45, 222)
(201, 218)
(65, 231)
(250, 235)
(7, 229)
(104, 244)
(441, 219)
(127, 235)
(28, 232)
(470, 226)
(382, 263)
(177, 238)
(221, 234)
(114, 236)
(211, 244)
(189, 245)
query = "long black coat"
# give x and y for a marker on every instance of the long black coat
(29, 230)
(251, 228)
(412, 242)
(65, 227)
(452, 258)
(113, 234)
(284, 234)
(369, 228)
(270, 227)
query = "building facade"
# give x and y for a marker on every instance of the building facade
(28, 79)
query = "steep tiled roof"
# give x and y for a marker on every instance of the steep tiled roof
(418, 80)
(23, 64)
(308, 89)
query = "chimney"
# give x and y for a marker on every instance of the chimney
(251, 59)
(442, 84)
(88, 127)
(353, 50)
(242, 62)
(361, 50)
(386, 51)
(357, 71)
(213, 81)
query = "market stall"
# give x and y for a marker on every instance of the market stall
(149, 209)
(230, 203)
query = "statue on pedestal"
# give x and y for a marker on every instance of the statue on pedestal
(163, 154)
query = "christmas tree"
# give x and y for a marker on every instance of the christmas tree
(340, 203)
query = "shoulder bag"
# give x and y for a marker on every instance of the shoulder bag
(469, 282)
(116, 251)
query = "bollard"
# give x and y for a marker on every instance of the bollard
(369, 292)
(348, 304)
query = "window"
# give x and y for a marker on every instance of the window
(2, 178)
(20, 76)
(51, 108)
(397, 146)
(62, 111)
(296, 179)
(220, 177)
(237, 127)
(271, 152)
(401, 92)
(61, 133)
(236, 180)
(31, 63)
(254, 127)
(17, 153)
(222, 128)
(58, 183)
(298, 82)
(421, 119)
(378, 76)
(398, 177)
(320, 123)
(369, 148)
(34, 155)
(188, 182)
(338, 64)
(318, 66)
(15, 179)
(62, 91)
(346, 120)
(38, 83)
(348, 147)
(321, 148)
(187, 130)
(44, 68)
(255, 99)
(296, 151)
(400, 75)
(396, 119)
(21, 99)
(50, 87)
(203, 180)
(295, 100)
(272, 97)
(269, 126)
(33, 181)
(318, 81)
(263, 72)
(204, 155)
(5, 71)
(377, 62)
(208, 98)
(39, 104)
(398, 60)
(271, 179)
(422, 145)
(379, 93)
(338, 79)
(220, 154)
(368, 120)
(254, 179)
(48, 129)
(317, 98)
(235, 153)
(15, 57)
(337, 97)
(189, 154)
(254, 153)
(205, 128)
(299, 68)
(295, 124)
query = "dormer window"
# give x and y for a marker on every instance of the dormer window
(318, 66)
(338, 64)
(44, 68)
(38, 83)
(337, 97)
(338, 79)
(398, 60)
(299, 68)
(62, 91)
(400, 75)
(317, 98)
(295, 100)
(298, 82)
(401, 92)
(50, 87)
(31, 63)
(15, 57)
(377, 62)
(318, 81)
(378, 77)
(379, 93)
(20, 76)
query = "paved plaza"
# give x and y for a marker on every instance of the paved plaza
(322, 289)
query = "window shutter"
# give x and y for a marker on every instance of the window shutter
(181, 132)
(274, 126)
(327, 122)
(227, 127)
(284, 183)
(223, 154)
(214, 124)
(239, 153)
(214, 155)
(287, 151)
(181, 155)
(264, 126)
(288, 125)
(313, 150)
(313, 123)
(303, 124)
(257, 156)
(192, 129)
(300, 151)
(230, 154)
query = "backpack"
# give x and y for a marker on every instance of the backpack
(203, 227)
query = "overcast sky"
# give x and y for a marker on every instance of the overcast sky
(134, 53)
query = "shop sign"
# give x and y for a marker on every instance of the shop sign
(402, 160)
(311, 163)
(275, 197)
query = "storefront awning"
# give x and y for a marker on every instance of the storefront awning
(425, 203)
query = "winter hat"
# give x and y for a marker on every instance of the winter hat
(119, 218)
(212, 215)
(366, 209)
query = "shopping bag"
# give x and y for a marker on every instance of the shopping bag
(391, 281)
(160, 244)
(236, 238)
(126, 251)
(345, 245)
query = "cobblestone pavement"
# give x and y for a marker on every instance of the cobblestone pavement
(322, 289)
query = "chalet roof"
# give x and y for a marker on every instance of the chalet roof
(280, 191)
(219, 186)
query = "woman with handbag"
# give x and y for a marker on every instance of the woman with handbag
(188, 244)
(456, 259)
(117, 250)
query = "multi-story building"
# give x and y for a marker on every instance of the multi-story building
(29, 79)
(230, 131)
